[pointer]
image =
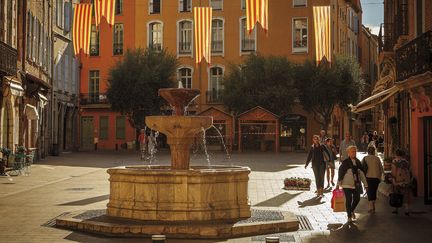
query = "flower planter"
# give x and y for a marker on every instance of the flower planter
(298, 184)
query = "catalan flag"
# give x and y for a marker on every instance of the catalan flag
(202, 32)
(321, 16)
(104, 8)
(82, 27)
(256, 11)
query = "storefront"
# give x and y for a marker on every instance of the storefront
(293, 132)
(258, 129)
(222, 129)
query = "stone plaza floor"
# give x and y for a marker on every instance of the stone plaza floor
(78, 181)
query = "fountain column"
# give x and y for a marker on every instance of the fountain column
(180, 154)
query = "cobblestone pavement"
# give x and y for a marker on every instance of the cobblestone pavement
(78, 181)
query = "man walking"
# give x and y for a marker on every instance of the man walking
(348, 141)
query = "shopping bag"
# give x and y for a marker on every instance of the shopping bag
(338, 201)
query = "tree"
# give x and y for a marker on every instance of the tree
(134, 82)
(263, 81)
(323, 87)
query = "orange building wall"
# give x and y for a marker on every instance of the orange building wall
(103, 63)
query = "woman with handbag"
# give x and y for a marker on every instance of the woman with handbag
(401, 179)
(318, 155)
(374, 170)
(350, 178)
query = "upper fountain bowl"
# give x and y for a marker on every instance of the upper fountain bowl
(179, 98)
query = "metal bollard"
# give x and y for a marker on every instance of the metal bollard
(272, 239)
(158, 238)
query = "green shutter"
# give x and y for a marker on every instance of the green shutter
(120, 127)
(103, 127)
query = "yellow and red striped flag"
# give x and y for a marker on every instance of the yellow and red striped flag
(321, 16)
(82, 27)
(256, 11)
(202, 32)
(105, 8)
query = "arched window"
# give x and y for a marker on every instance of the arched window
(215, 85)
(185, 76)
(185, 37)
(155, 35)
(217, 36)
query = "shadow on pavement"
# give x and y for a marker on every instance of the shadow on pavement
(86, 201)
(278, 200)
(310, 202)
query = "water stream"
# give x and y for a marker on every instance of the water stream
(228, 155)
(152, 144)
(205, 146)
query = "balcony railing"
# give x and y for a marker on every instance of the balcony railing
(214, 96)
(8, 59)
(93, 98)
(415, 57)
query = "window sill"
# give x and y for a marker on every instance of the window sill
(184, 55)
(246, 52)
(299, 52)
(217, 54)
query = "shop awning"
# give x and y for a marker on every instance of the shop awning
(14, 86)
(31, 112)
(375, 100)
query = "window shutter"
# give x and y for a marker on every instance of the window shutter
(180, 6)
(67, 13)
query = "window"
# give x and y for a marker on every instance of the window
(94, 41)
(120, 127)
(185, 76)
(29, 34)
(247, 41)
(60, 13)
(185, 5)
(217, 36)
(299, 3)
(154, 6)
(118, 39)
(215, 86)
(216, 4)
(93, 87)
(155, 35)
(185, 37)
(243, 4)
(119, 7)
(300, 35)
(103, 127)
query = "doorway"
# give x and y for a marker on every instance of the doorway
(428, 159)
(87, 133)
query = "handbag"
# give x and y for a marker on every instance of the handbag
(338, 201)
(396, 200)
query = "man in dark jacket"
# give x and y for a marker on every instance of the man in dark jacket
(318, 155)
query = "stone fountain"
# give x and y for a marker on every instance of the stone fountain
(180, 200)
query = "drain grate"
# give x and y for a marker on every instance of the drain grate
(282, 238)
(304, 223)
(263, 216)
(52, 222)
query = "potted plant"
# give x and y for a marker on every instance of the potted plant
(296, 183)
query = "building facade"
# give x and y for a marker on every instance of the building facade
(169, 24)
(65, 80)
(99, 127)
(403, 91)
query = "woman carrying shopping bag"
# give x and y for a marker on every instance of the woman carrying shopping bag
(350, 178)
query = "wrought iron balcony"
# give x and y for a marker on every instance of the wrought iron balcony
(415, 57)
(8, 59)
(93, 98)
(214, 96)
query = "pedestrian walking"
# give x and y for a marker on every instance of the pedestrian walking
(350, 178)
(348, 141)
(374, 173)
(318, 155)
(323, 137)
(142, 139)
(331, 149)
(364, 141)
(401, 179)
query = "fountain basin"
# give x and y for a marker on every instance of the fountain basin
(159, 193)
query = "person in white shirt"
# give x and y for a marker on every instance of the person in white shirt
(374, 172)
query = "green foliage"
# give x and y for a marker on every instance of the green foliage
(134, 82)
(323, 87)
(263, 81)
